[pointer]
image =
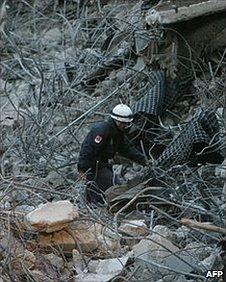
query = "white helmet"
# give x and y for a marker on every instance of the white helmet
(122, 113)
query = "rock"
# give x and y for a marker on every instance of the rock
(107, 245)
(134, 228)
(52, 36)
(91, 277)
(174, 278)
(69, 239)
(92, 266)
(83, 236)
(158, 248)
(113, 266)
(162, 230)
(182, 232)
(115, 191)
(208, 262)
(54, 178)
(78, 261)
(39, 276)
(56, 261)
(198, 250)
(51, 217)
(24, 208)
(86, 236)
(60, 239)
(23, 261)
(105, 271)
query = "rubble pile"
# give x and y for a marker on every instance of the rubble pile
(64, 65)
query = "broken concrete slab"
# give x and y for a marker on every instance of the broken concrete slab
(160, 249)
(55, 261)
(105, 271)
(83, 236)
(91, 277)
(23, 260)
(198, 249)
(112, 266)
(59, 239)
(134, 227)
(52, 36)
(40, 276)
(79, 262)
(52, 217)
(166, 13)
(100, 238)
(68, 240)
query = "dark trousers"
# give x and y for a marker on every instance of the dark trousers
(99, 183)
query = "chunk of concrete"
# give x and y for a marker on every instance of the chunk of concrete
(55, 261)
(134, 228)
(78, 261)
(52, 36)
(106, 270)
(158, 248)
(166, 13)
(61, 239)
(82, 236)
(52, 217)
(23, 260)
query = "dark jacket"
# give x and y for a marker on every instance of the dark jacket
(101, 144)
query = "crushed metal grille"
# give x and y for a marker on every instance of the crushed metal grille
(152, 102)
(194, 137)
(162, 94)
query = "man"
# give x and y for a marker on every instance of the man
(100, 145)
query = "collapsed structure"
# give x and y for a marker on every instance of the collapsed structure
(65, 67)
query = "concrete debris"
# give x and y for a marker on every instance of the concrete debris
(209, 262)
(78, 261)
(23, 260)
(162, 230)
(52, 36)
(166, 13)
(68, 240)
(66, 64)
(57, 239)
(40, 276)
(105, 271)
(51, 217)
(199, 250)
(158, 248)
(134, 228)
(54, 178)
(83, 236)
(55, 261)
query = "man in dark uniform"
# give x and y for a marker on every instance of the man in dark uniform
(100, 145)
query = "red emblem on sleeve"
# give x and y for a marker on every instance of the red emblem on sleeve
(98, 139)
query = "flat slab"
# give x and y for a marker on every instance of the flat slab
(168, 13)
(52, 217)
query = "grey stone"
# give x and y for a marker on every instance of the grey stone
(105, 271)
(160, 249)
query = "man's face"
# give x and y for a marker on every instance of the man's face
(122, 125)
